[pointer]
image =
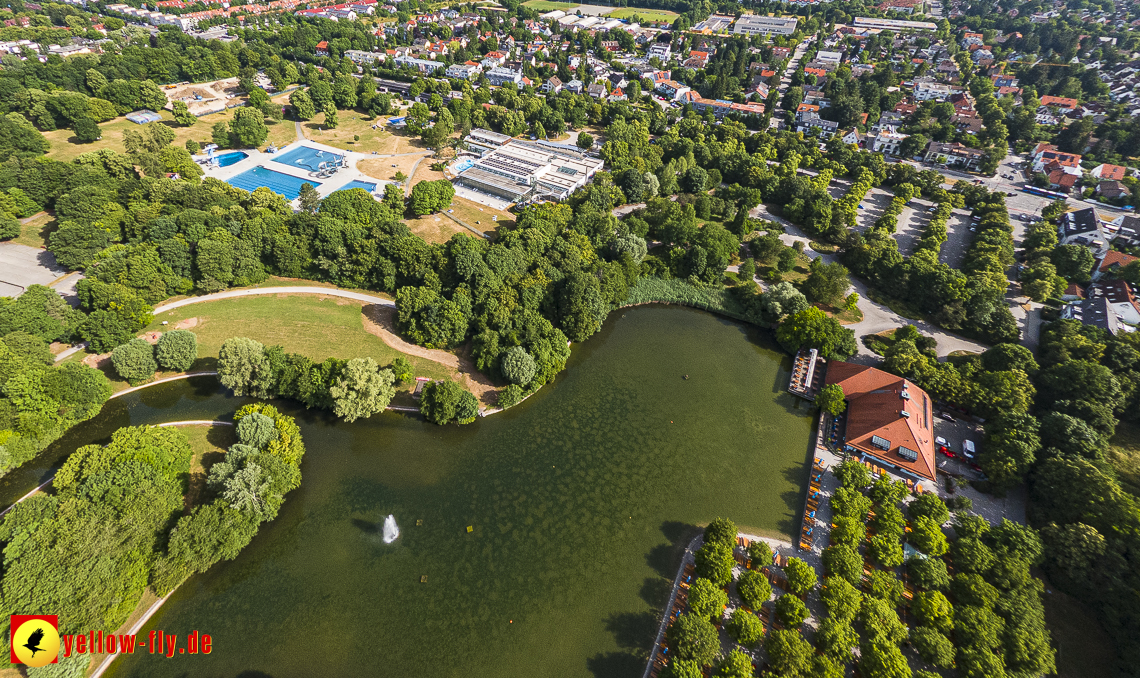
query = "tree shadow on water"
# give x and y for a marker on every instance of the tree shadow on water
(615, 665)
(365, 526)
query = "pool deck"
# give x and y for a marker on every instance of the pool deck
(327, 185)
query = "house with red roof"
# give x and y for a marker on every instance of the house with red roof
(1107, 172)
(1062, 104)
(323, 48)
(888, 418)
(1111, 263)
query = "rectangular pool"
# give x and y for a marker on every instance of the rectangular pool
(306, 157)
(370, 187)
(279, 183)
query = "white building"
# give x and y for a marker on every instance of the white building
(894, 24)
(464, 71)
(359, 56)
(421, 65)
(519, 170)
(888, 142)
(927, 91)
(500, 76)
(751, 24)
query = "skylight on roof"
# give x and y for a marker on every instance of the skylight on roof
(881, 443)
(907, 453)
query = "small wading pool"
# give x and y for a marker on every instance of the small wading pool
(227, 159)
(283, 184)
(307, 157)
(463, 165)
(368, 186)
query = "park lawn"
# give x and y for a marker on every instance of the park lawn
(439, 228)
(646, 14)
(65, 147)
(305, 324)
(548, 5)
(1124, 453)
(352, 123)
(35, 233)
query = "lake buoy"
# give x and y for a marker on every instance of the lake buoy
(512, 621)
(423, 579)
(420, 522)
(470, 528)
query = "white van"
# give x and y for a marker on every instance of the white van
(968, 449)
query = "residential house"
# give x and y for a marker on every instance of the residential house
(323, 48)
(1045, 154)
(466, 71)
(888, 142)
(932, 91)
(597, 90)
(671, 89)
(1107, 172)
(553, 85)
(576, 86)
(721, 108)
(1112, 190)
(969, 123)
(1082, 227)
(953, 155)
(889, 418)
(500, 75)
(1094, 311)
(1111, 263)
(1062, 179)
(810, 121)
(617, 95)
(849, 136)
(1061, 104)
(1122, 298)
(661, 50)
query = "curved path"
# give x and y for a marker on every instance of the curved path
(232, 294)
(163, 381)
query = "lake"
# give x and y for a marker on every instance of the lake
(579, 502)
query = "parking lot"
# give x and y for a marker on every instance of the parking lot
(955, 432)
(22, 266)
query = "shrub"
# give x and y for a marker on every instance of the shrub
(402, 369)
(510, 396)
(177, 350)
(134, 361)
(256, 430)
(517, 366)
(9, 227)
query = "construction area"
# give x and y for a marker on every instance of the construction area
(204, 97)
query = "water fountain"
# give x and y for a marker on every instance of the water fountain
(391, 530)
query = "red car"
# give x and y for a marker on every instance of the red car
(947, 451)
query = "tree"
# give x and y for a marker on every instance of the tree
(791, 610)
(736, 665)
(926, 536)
(517, 365)
(721, 531)
(933, 647)
(881, 659)
(811, 328)
(134, 361)
(257, 430)
(714, 561)
(241, 365)
(932, 609)
(827, 283)
(331, 119)
(830, 399)
(851, 474)
(885, 551)
(303, 106)
(706, 599)
(745, 628)
(694, 637)
(431, 196)
(441, 402)
(394, 198)
(104, 330)
(786, 260)
(362, 390)
(402, 370)
(929, 506)
(310, 199)
(788, 652)
(248, 128)
(585, 141)
(841, 599)
(86, 130)
(177, 350)
(881, 622)
(695, 180)
(977, 626)
(182, 114)
(801, 576)
(754, 589)
(928, 573)
(682, 668)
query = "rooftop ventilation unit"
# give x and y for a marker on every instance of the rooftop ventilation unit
(905, 414)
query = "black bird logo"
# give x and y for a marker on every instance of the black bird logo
(33, 643)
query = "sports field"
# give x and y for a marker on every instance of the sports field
(645, 14)
(548, 5)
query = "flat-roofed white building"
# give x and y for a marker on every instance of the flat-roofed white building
(926, 91)
(894, 24)
(751, 24)
(518, 170)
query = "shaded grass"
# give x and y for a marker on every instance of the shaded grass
(649, 290)
(647, 14)
(1124, 453)
(547, 5)
(36, 232)
(898, 306)
(1084, 650)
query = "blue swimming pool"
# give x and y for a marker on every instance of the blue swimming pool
(306, 157)
(283, 184)
(358, 184)
(227, 159)
(463, 165)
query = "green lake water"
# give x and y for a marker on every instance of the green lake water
(580, 500)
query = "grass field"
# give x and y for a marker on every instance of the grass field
(1125, 456)
(64, 145)
(548, 5)
(645, 14)
(438, 228)
(35, 233)
(305, 324)
(353, 123)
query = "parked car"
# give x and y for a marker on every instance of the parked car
(969, 451)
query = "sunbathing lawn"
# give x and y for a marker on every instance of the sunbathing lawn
(65, 147)
(352, 123)
(305, 324)
(548, 5)
(35, 233)
(438, 228)
(646, 14)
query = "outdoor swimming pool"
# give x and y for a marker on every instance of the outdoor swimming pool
(306, 157)
(228, 159)
(463, 165)
(370, 187)
(283, 184)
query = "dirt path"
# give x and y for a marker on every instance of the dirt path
(381, 321)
